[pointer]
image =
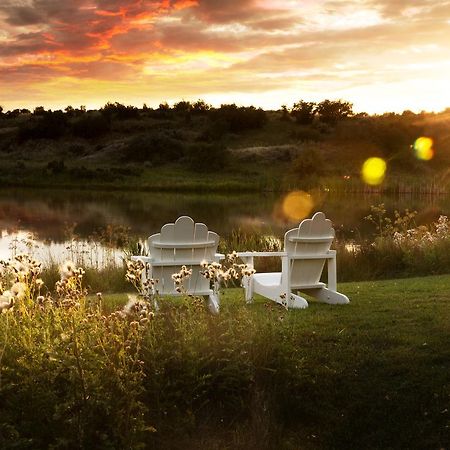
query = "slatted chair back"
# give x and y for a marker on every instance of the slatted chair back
(182, 243)
(307, 247)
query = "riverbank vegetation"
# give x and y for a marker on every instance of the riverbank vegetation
(394, 245)
(194, 147)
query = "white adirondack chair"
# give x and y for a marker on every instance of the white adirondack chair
(183, 243)
(306, 248)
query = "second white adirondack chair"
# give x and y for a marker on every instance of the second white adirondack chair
(306, 249)
(183, 243)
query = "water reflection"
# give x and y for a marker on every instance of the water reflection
(53, 216)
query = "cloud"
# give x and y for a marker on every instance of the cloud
(218, 46)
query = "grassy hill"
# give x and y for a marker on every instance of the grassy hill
(226, 148)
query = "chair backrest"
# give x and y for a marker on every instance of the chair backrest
(182, 243)
(312, 238)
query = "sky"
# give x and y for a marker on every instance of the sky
(381, 55)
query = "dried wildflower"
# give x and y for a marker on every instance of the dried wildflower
(6, 301)
(18, 290)
(67, 269)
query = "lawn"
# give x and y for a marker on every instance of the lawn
(371, 374)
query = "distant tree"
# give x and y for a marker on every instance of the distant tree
(330, 111)
(408, 113)
(70, 111)
(1, 110)
(304, 112)
(182, 106)
(90, 126)
(39, 111)
(163, 111)
(284, 113)
(118, 111)
(234, 119)
(48, 125)
(200, 106)
(164, 106)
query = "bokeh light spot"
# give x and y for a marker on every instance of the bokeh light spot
(423, 148)
(374, 171)
(297, 205)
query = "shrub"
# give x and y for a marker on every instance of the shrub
(56, 166)
(206, 157)
(90, 126)
(71, 376)
(47, 125)
(310, 162)
(156, 147)
(230, 118)
(332, 111)
(304, 112)
(118, 111)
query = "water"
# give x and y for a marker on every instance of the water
(51, 217)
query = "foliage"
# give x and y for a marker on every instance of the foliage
(118, 111)
(47, 125)
(204, 157)
(61, 357)
(234, 119)
(330, 111)
(154, 147)
(90, 126)
(304, 112)
(309, 163)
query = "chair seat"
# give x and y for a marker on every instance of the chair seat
(268, 279)
(274, 279)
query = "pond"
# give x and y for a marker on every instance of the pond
(44, 221)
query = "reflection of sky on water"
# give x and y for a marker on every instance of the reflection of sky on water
(82, 252)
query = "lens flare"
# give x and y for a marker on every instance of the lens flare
(374, 171)
(423, 148)
(297, 205)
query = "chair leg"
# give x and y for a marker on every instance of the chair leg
(325, 295)
(247, 284)
(297, 302)
(213, 303)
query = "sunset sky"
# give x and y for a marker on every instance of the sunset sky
(382, 55)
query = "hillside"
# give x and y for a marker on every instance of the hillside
(196, 147)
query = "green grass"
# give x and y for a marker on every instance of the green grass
(372, 374)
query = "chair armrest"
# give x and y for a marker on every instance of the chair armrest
(145, 259)
(259, 254)
(247, 257)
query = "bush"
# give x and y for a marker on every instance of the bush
(304, 112)
(309, 163)
(230, 118)
(90, 126)
(206, 157)
(76, 379)
(118, 111)
(45, 125)
(333, 111)
(157, 148)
